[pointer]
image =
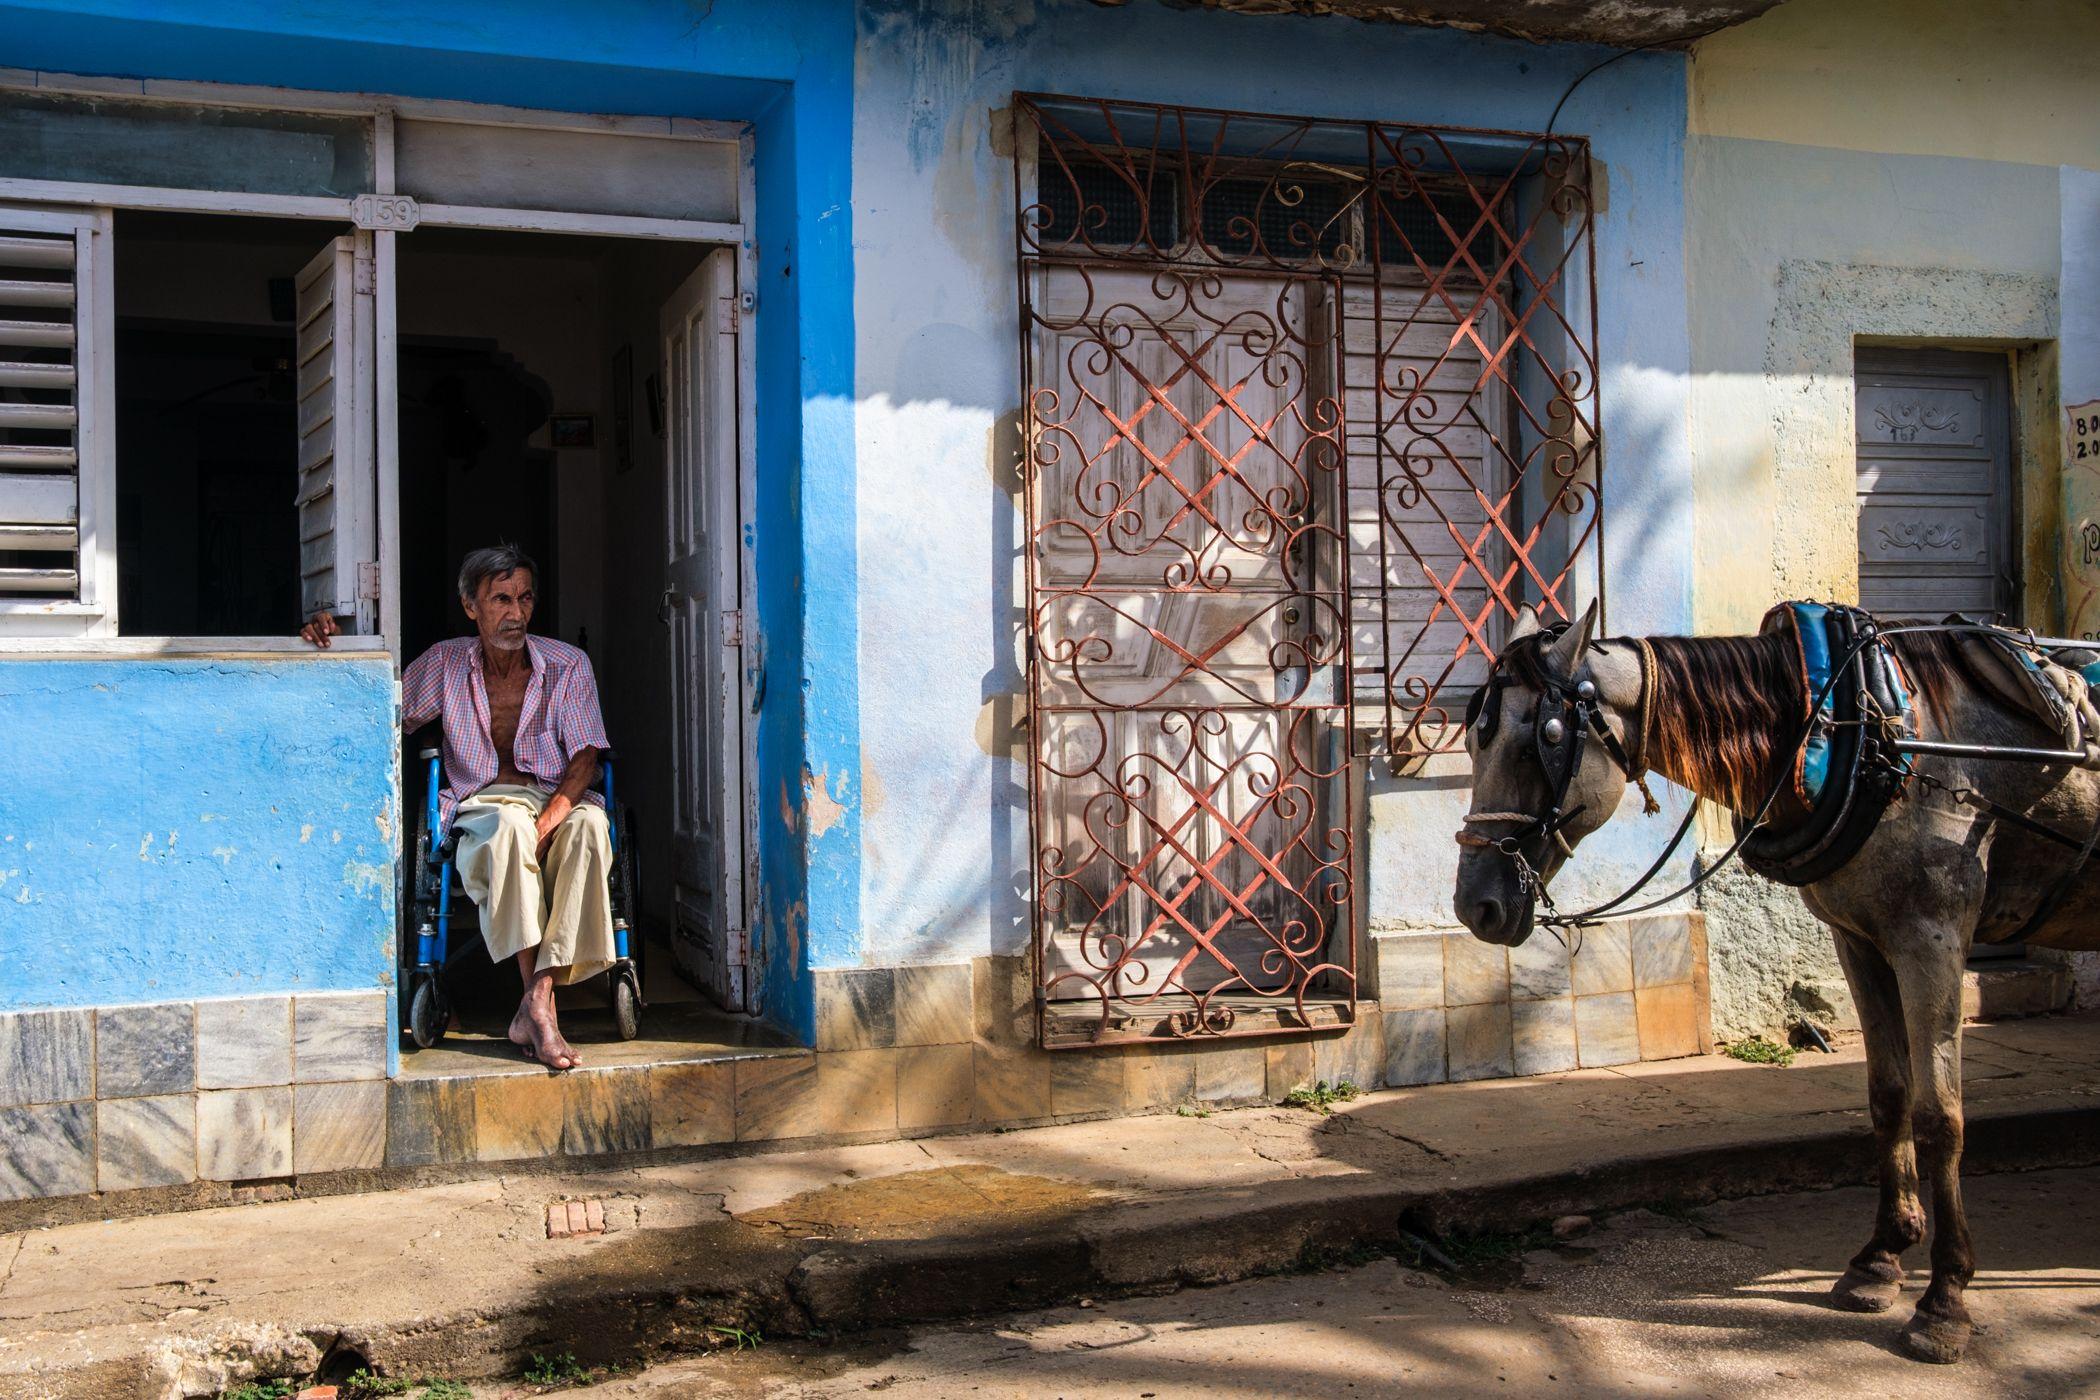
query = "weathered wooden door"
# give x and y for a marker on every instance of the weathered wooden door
(1935, 484)
(702, 608)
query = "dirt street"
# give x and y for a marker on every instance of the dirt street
(1722, 1301)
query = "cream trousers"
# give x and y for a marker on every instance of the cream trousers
(564, 908)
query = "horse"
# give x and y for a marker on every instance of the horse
(1723, 717)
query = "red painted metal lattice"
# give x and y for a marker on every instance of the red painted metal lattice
(1305, 422)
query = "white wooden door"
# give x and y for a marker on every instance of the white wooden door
(703, 609)
(338, 481)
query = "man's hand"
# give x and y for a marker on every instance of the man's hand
(551, 817)
(320, 629)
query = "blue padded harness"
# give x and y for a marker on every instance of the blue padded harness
(1847, 770)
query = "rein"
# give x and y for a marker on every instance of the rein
(1581, 697)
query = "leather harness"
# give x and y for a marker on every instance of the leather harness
(1859, 713)
(1863, 711)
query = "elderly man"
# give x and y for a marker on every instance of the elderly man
(522, 737)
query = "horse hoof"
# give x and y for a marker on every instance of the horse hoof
(1859, 1291)
(1936, 1339)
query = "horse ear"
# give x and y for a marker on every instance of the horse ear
(1566, 653)
(1527, 623)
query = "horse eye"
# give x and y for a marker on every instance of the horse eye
(1554, 730)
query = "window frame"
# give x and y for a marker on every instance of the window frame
(90, 623)
(92, 611)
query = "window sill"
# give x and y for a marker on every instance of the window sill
(108, 648)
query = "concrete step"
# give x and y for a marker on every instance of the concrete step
(2014, 987)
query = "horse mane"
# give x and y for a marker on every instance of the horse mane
(1726, 716)
(1934, 664)
(1728, 712)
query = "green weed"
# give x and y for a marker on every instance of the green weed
(439, 1388)
(363, 1384)
(275, 1388)
(739, 1338)
(560, 1369)
(1186, 1111)
(1322, 1096)
(1759, 1051)
(1468, 1253)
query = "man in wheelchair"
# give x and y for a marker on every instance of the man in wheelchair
(522, 735)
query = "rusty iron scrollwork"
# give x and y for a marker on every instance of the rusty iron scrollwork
(1293, 451)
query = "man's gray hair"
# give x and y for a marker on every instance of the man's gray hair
(485, 564)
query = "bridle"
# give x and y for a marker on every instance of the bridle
(1568, 716)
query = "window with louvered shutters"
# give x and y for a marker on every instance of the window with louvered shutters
(338, 521)
(54, 430)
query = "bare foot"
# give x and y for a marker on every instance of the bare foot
(533, 1031)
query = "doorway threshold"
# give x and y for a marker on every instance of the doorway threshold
(675, 1033)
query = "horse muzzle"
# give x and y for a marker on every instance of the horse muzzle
(1494, 907)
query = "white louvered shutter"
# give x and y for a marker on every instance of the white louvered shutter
(338, 525)
(54, 406)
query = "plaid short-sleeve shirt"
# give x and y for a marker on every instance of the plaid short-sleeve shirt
(558, 717)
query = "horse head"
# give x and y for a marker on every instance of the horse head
(1548, 735)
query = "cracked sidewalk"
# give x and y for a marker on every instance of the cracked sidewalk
(462, 1280)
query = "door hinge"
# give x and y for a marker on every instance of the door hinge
(732, 627)
(727, 316)
(368, 580)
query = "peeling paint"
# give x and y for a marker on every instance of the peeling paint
(825, 811)
(306, 832)
(366, 879)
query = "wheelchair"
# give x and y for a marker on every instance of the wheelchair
(429, 1011)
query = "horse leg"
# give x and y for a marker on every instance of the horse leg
(1930, 977)
(1873, 1280)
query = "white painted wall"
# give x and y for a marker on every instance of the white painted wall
(945, 852)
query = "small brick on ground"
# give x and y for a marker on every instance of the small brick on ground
(567, 1219)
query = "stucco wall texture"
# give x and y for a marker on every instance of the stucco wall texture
(1897, 171)
(178, 828)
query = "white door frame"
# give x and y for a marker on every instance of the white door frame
(710, 300)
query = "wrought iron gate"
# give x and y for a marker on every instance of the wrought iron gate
(1307, 420)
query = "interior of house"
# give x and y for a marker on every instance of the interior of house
(530, 411)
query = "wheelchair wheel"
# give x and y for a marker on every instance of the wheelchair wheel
(626, 1003)
(426, 1013)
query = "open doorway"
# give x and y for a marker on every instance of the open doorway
(548, 398)
(573, 395)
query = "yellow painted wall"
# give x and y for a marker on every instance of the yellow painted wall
(2010, 80)
(1868, 169)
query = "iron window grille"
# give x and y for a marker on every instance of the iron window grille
(1310, 413)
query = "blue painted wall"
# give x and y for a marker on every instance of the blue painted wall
(195, 828)
(784, 66)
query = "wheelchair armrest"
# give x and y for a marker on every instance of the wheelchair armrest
(607, 755)
(427, 754)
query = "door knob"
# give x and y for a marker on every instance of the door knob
(666, 606)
